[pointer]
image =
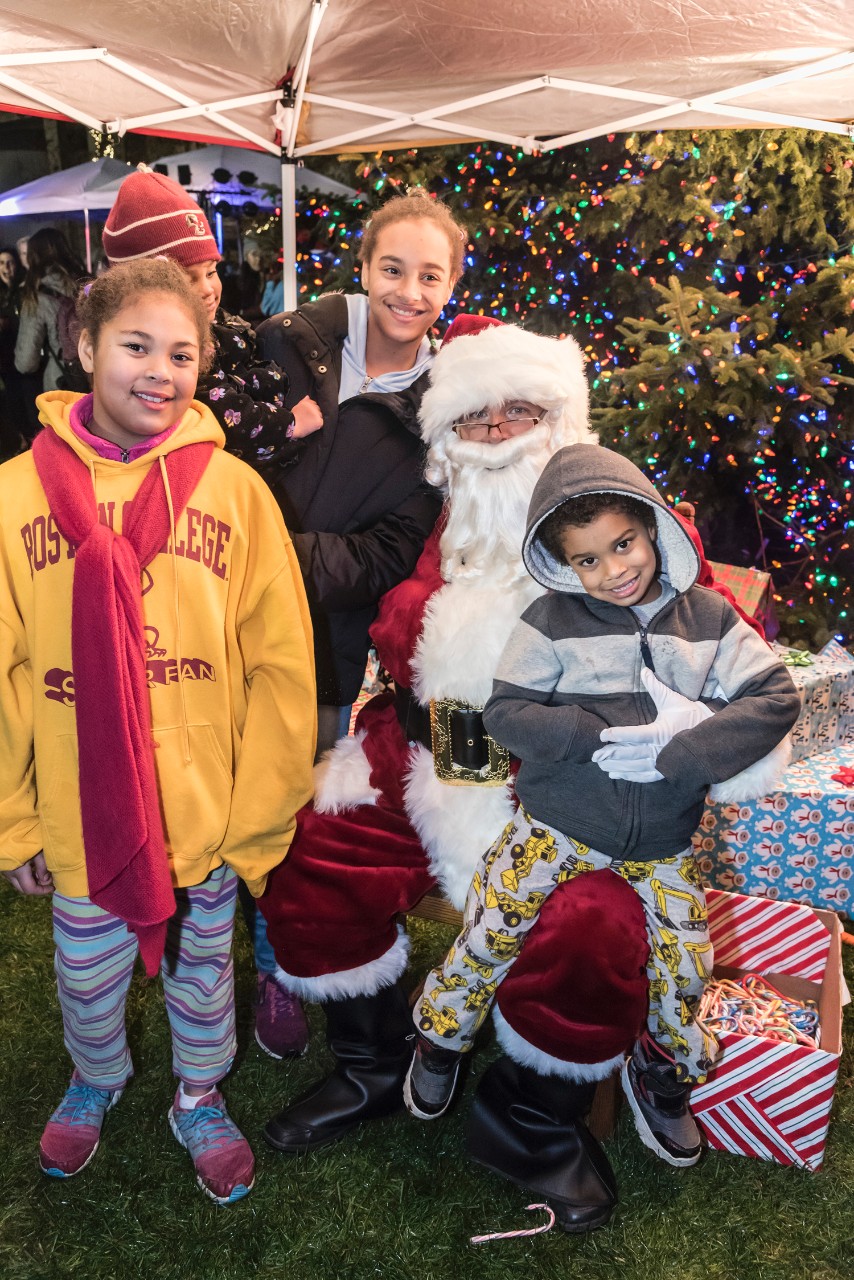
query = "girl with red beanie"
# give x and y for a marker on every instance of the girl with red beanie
(155, 217)
(156, 707)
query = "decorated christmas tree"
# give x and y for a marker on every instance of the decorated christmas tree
(709, 278)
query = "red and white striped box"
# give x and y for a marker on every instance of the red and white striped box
(764, 1098)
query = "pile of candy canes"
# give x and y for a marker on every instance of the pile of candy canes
(750, 1006)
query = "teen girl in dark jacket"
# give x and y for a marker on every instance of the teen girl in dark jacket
(356, 504)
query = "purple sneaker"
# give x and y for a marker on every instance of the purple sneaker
(72, 1134)
(280, 1026)
(223, 1159)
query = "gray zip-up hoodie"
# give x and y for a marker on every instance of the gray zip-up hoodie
(572, 667)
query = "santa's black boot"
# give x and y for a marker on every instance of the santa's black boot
(529, 1128)
(371, 1038)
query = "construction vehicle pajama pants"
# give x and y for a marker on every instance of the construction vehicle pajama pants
(510, 885)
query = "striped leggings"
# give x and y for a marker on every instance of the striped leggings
(94, 962)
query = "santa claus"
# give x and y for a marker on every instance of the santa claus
(417, 795)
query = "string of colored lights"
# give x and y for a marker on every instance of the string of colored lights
(730, 383)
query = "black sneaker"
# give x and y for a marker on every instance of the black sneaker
(431, 1080)
(660, 1105)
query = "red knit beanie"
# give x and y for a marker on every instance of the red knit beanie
(153, 215)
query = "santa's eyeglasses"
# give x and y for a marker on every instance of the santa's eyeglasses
(474, 429)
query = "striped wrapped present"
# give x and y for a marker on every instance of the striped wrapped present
(764, 1098)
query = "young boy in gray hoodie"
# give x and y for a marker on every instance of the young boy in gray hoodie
(625, 692)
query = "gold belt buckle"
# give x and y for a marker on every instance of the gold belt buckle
(494, 774)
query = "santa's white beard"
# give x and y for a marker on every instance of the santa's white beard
(489, 490)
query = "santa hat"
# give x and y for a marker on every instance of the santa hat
(497, 363)
(153, 215)
(465, 324)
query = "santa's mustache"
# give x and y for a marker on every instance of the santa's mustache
(487, 456)
(488, 504)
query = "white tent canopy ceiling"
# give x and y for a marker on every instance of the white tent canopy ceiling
(394, 72)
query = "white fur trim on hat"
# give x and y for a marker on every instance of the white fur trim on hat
(486, 369)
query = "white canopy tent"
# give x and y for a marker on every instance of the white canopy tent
(203, 172)
(90, 187)
(397, 72)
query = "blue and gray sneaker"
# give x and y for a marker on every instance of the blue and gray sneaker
(223, 1159)
(660, 1105)
(73, 1132)
(431, 1081)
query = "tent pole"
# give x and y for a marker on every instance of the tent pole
(289, 128)
(88, 239)
(289, 231)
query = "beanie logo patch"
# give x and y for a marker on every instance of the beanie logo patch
(196, 224)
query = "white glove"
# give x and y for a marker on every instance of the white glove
(635, 763)
(675, 714)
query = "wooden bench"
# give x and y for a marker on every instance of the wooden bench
(602, 1120)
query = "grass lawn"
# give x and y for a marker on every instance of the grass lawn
(393, 1201)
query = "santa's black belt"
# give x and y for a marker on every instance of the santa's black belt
(463, 752)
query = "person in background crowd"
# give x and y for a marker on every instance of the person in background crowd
(273, 297)
(153, 216)
(160, 791)
(21, 246)
(10, 269)
(53, 276)
(243, 290)
(12, 403)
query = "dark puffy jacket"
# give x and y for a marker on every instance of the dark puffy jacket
(357, 506)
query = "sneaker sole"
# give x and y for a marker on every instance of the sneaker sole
(236, 1193)
(646, 1134)
(411, 1105)
(53, 1172)
(280, 1057)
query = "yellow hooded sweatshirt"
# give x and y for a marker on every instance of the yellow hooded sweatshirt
(228, 657)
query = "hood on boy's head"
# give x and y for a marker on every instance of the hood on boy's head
(590, 468)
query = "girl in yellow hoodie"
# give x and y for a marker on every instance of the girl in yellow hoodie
(157, 706)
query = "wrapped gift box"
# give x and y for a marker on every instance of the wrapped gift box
(754, 591)
(766, 1098)
(796, 844)
(826, 687)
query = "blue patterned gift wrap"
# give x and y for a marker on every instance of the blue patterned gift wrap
(796, 844)
(826, 687)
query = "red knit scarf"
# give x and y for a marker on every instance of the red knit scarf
(126, 862)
